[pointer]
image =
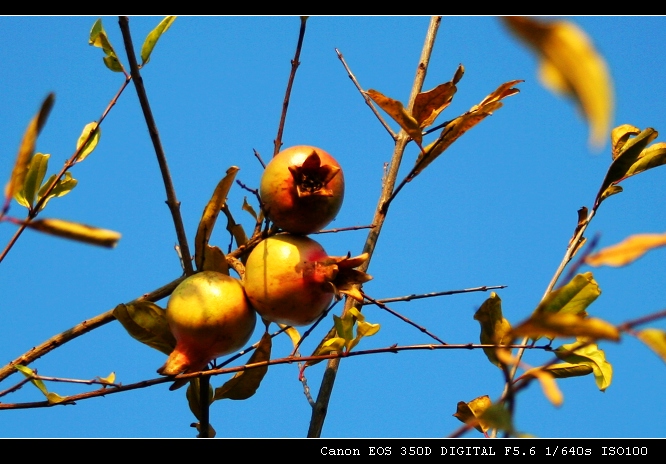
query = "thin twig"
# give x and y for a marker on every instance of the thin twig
(80, 329)
(403, 318)
(413, 296)
(285, 104)
(172, 201)
(344, 229)
(64, 380)
(258, 156)
(68, 165)
(319, 411)
(367, 99)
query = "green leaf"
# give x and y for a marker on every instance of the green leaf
(92, 141)
(589, 355)
(399, 114)
(193, 395)
(209, 216)
(153, 37)
(33, 180)
(27, 148)
(244, 384)
(344, 326)
(495, 330)
(76, 231)
(146, 322)
(98, 38)
(62, 188)
(655, 339)
(572, 298)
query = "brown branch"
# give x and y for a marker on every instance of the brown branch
(367, 99)
(172, 202)
(80, 329)
(326, 388)
(344, 229)
(285, 104)
(413, 296)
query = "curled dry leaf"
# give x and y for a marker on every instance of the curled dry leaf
(627, 251)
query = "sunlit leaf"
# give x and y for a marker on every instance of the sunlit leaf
(245, 383)
(572, 298)
(620, 135)
(332, 334)
(108, 380)
(398, 112)
(33, 180)
(563, 370)
(566, 325)
(549, 387)
(428, 105)
(153, 37)
(214, 260)
(247, 207)
(76, 231)
(146, 322)
(344, 326)
(457, 127)
(627, 251)
(209, 216)
(27, 147)
(366, 329)
(92, 141)
(497, 417)
(293, 334)
(52, 398)
(592, 356)
(62, 188)
(655, 339)
(236, 231)
(98, 38)
(193, 395)
(329, 346)
(571, 65)
(211, 430)
(495, 330)
(470, 413)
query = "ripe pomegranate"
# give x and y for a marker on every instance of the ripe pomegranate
(289, 279)
(209, 315)
(302, 189)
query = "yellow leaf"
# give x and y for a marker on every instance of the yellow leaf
(571, 65)
(292, 333)
(214, 260)
(76, 231)
(470, 413)
(397, 111)
(627, 251)
(549, 386)
(245, 383)
(583, 352)
(495, 330)
(655, 339)
(566, 325)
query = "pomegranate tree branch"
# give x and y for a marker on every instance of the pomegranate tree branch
(413, 296)
(80, 329)
(367, 99)
(326, 387)
(285, 104)
(172, 202)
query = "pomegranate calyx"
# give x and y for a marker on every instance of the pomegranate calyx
(311, 177)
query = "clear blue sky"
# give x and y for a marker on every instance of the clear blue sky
(497, 208)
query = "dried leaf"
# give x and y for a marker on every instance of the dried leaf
(457, 127)
(193, 395)
(153, 37)
(398, 112)
(549, 387)
(147, 323)
(76, 231)
(470, 413)
(571, 65)
(247, 207)
(209, 216)
(214, 260)
(627, 251)
(92, 141)
(655, 339)
(245, 383)
(428, 105)
(495, 330)
(27, 147)
(591, 355)
(563, 370)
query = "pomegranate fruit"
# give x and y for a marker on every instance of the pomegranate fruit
(289, 279)
(302, 189)
(210, 316)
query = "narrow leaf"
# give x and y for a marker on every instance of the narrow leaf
(147, 323)
(33, 180)
(90, 141)
(627, 251)
(457, 127)
(153, 37)
(245, 383)
(592, 356)
(27, 147)
(399, 114)
(293, 334)
(52, 398)
(549, 387)
(495, 330)
(209, 216)
(470, 413)
(571, 65)
(62, 188)
(566, 325)
(563, 370)
(76, 231)
(247, 207)
(572, 298)
(655, 339)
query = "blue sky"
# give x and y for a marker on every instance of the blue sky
(497, 208)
